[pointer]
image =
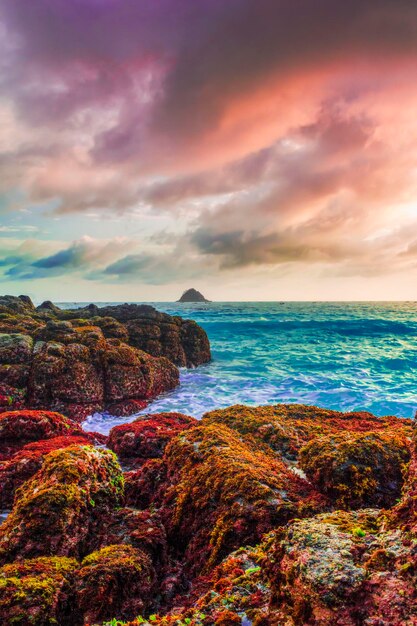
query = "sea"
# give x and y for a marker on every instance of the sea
(344, 356)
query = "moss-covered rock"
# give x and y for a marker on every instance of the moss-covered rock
(357, 470)
(236, 592)
(286, 428)
(37, 592)
(15, 348)
(341, 569)
(223, 491)
(28, 460)
(118, 580)
(56, 509)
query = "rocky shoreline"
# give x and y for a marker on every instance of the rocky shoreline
(281, 515)
(79, 361)
(159, 534)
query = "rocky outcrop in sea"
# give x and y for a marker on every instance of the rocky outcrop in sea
(78, 361)
(192, 295)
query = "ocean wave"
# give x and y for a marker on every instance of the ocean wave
(340, 356)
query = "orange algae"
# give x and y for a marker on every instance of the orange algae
(223, 491)
(286, 428)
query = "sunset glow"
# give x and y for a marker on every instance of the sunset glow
(258, 149)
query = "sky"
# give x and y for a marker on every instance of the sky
(252, 149)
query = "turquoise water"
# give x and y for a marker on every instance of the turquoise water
(344, 356)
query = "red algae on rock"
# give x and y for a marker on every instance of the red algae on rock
(26, 437)
(18, 428)
(172, 545)
(116, 580)
(147, 436)
(142, 485)
(37, 591)
(54, 511)
(28, 460)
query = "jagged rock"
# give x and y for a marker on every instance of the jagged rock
(183, 342)
(17, 304)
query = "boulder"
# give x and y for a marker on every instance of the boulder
(357, 470)
(222, 492)
(54, 512)
(116, 580)
(38, 592)
(147, 436)
(142, 484)
(47, 306)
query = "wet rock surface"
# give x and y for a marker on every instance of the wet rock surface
(79, 361)
(77, 371)
(278, 518)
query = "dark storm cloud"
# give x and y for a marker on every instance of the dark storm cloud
(212, 50)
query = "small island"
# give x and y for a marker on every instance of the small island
(192, 295)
